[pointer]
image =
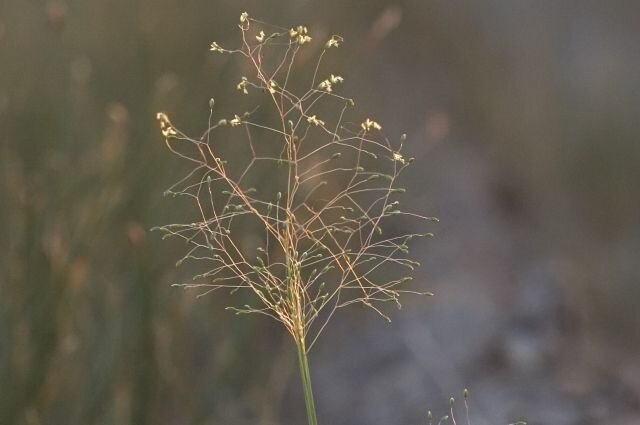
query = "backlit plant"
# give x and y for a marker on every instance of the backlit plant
(296, 204)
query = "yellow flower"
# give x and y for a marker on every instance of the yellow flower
(368, 124)
(300, 35)
(244, 17)
(242, 85)
(397, 157)
(236, 121)
(272, 86)
(215, 47)
(260, 37)
(304, 39)
(314, 120)
(334, 41)
(165, 125)
(327, 84)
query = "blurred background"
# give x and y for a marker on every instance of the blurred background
(523, 118)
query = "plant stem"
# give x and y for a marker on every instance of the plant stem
(305, 375)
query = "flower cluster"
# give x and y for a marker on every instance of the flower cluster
(215, 47)
(323, 217)
(334, 41)
(328, 84)
(300, 35)
(369, 124)
(242, 85)
(293, 215)
(315, 121)
(165, 125)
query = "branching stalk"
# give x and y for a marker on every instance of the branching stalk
(298, 206)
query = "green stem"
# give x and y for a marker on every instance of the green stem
(305, 375)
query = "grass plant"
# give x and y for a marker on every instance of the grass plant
(296, 198)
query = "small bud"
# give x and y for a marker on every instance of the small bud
(398, 157)
(215, 47)
(211, 103)
(236, 121)
(334, 41)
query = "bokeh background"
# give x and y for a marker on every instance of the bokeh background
(523, 118)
